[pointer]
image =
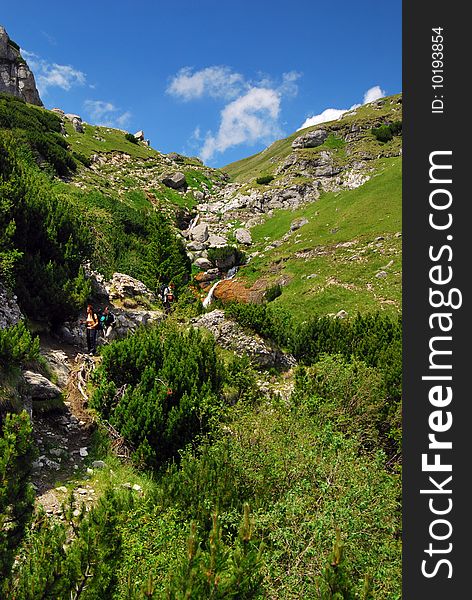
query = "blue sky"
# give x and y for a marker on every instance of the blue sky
(218, 79)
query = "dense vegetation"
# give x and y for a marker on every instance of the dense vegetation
(43, 241)
(243, 492)
(39, 130)
(250, 507)
(366, 342)
(47, 231)
(159, 388)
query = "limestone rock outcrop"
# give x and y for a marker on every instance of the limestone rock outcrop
(310, 139)
(16, 78)
(231, 336)
(10, 313)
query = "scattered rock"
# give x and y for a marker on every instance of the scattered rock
(216, 241)
(381, 275)
(231, 336)
(342, 314)
(203, 263)
(83, 452)
(243, 236)
(297, 223)
(98, 464)
(199, 233)
(175, 181)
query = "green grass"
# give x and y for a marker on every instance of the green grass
(90, 142)
(267, 161)
(344, 275)
(195, 179)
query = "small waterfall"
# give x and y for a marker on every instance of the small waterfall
(193, 223)
(229, 275)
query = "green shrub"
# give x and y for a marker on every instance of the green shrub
(17, 452)
(39, 131)
(385, 133)
(172, 380)
(17, 345)
(217, 570)
(226, 257)
(130, 137)
(304, 479)
(273, 292)
(85, 160)
(80, 553)
(348, 394)
(270, 322)
(264, 179)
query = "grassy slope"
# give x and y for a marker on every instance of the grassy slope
(265, 162)
(344, 275)
(97, 139)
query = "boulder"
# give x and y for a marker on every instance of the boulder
(77, 125)
(216, 241)
(203, 263)
(199, 233)
(76, 121)
(58, 364)
(139, 135)
(297, 223)
(195, 246)
(206, 276)
(124, 286)
(39, 387)
(178, 158)
(175, 181)
(10, 313)
(243, 236)
(311, 139)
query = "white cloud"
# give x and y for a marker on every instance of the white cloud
(332, 114)
(374, 93)
(288, 86)
(106, 114)
(248, 119)
(252, 110)
(52, 74)
(329, 114)
(216, 82)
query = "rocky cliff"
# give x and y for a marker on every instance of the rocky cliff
(16, 77)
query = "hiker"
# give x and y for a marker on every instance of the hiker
(91, 323)
(107, 320)
(168, 297)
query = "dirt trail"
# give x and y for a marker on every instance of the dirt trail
(63, 437)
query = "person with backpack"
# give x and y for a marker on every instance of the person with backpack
(91, 323)
(107, 320)
(168, 297)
